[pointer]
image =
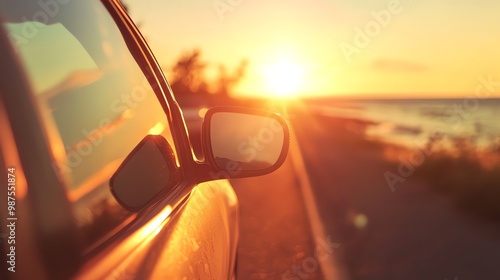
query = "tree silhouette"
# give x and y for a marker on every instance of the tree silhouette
(189, 76)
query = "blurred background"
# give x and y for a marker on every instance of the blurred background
(394, 106)
(396, 49)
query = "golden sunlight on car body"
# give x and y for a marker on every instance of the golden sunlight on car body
(148, 232)
(157, 129)
(156, 224)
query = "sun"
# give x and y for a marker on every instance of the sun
(285, 78)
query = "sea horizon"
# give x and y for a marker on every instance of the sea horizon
(407, 121)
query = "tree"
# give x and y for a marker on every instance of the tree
(189, 76)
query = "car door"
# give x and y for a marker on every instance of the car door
(97, 94)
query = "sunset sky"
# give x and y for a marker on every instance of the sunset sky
(376, 48)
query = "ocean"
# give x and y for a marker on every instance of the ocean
(411, 122)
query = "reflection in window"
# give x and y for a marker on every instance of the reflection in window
(97, 104)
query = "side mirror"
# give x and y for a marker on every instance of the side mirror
(147, 171)
(240, 142)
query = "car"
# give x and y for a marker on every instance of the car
(99, 176)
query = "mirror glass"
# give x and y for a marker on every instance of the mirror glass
(242, 141)
(145, 172)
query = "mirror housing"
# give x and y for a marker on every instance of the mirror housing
(240, 142)
(149, 170)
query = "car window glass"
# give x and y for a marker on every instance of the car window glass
(96, 102)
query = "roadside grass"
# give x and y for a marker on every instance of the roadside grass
(467, 173)
(456, 167)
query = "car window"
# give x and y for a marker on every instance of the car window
(96, 102)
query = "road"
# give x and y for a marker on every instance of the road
(275, 235)
(412, 233)
(281, 234)
(276, 240)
